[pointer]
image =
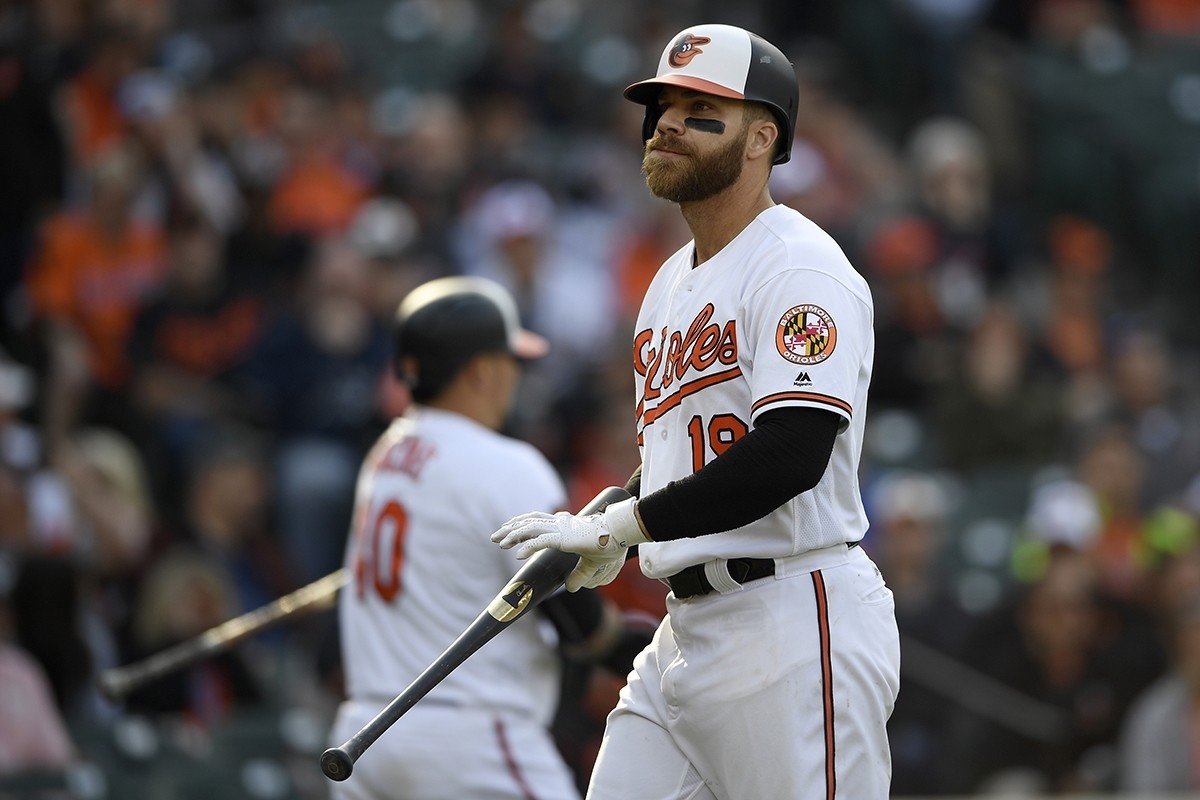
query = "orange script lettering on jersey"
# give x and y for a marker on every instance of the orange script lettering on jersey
(704, 344)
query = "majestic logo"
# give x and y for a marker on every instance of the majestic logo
(802, 380)
(806, 334)
(686, 48)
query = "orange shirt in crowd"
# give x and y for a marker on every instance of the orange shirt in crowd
(97, 284)
(1178, 17)
(94, 117)
(316, 197)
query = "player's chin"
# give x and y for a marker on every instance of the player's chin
(661, 161)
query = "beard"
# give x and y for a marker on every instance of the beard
(696, 177)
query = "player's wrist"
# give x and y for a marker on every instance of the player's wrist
(624, 524)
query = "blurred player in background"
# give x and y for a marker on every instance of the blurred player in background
(438, 481)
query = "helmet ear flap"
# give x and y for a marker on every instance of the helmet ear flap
(650, 122)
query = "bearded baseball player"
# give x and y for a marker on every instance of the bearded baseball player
(776, 668)
(435, 485)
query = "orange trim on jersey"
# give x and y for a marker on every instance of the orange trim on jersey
(811, 397)
(826, 681)
(688, 389)
(510, 761)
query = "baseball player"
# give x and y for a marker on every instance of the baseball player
(777, 665)
(437, 482)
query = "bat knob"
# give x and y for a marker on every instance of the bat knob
(112, 685)
(336, 764)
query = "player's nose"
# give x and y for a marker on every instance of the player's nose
(670, 121)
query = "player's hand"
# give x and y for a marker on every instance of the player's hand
(593, 571)
(600, 538)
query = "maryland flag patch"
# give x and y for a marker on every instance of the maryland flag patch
(806, 334)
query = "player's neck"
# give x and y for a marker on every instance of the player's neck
(473, 405)
(717, 221)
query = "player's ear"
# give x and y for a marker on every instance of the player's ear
(761, 138)
(407, 370)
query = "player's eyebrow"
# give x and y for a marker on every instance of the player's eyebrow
(689, 94)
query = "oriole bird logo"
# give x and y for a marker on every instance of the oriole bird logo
(686, 48)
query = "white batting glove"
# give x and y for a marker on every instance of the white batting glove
(601, 539)
(593, 571)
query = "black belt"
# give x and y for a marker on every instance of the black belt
(692, 582)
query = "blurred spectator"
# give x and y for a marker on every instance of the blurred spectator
(1157, 746)
(1075, 290)
(1149, 396)
(942, 32)
(20, 447)
(1067, 645)
(1062, 512)
(33, 733)
(181, 596)
(804, 183)
(1173, 18)
(89, 100)
(185, 178)
(187, 342)
(516, 226)
(227, 517)
(908, 539)
(384, 232)
(109, 515)
(316, 194)
(977, 243)
(314, 378)
(862, 168)
(649, 240)
(999, 411)
(427, 150)
(89, 274)
(914, 344)
(89, 521)
(1110, 464)
(48, 608)
(33, 166)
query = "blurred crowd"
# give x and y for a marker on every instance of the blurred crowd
(209, 212)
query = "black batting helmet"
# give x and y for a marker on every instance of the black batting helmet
(725, 61)
(442, 324)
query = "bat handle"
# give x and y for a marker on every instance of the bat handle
(114, 684)
(336, 763)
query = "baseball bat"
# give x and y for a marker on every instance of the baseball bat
(536, 580)
(117, 682)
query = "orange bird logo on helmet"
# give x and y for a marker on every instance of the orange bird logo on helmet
(686, 48)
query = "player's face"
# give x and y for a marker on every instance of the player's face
(698, 149)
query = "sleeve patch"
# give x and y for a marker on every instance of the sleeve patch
(806, 334)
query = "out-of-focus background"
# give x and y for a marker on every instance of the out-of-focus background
(209, 210)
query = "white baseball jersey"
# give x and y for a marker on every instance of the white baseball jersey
(779, 687)
(430, 493)
(777, 318)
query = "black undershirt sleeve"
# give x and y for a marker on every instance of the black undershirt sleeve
(784, 455)
(634, 484)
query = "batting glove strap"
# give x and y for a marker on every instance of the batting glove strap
(623, 524)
